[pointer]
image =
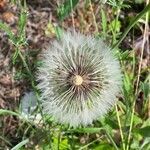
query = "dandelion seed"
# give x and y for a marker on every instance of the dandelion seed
(79, 79)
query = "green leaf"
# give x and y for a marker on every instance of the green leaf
(65, 9)
(104, 146)
(145, 88)
(115, 25)
(58, 31)
(63, 144)
(124, 55)
(128, 86)
(86, 130)
(8, 31)
(111, 123)
(145, 131)
(146, 123)
(137, 120)
(139, 1)
(104, 21)
(22, 24)
(135, 144)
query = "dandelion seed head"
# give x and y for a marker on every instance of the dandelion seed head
(79, 79)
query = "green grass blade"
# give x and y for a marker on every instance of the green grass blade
(19, 145)
(7, 29)
(135, 20)
(22, 21)
(8, 112)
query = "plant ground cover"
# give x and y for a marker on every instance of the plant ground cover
(26, 30)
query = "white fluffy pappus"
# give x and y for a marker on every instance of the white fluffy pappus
(79, 79)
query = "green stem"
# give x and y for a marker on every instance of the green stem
(25, 64)
(111, 139)
(114, 30)
(138, 79)
(135, 20)
(109, 136)
(31, 79)
(120, 128)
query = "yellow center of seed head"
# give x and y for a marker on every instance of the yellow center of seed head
(78, 80)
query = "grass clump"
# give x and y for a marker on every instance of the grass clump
(126, 126)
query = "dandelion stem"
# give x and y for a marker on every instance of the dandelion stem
(120, 128)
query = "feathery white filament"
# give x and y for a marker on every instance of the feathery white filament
(79, 79)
